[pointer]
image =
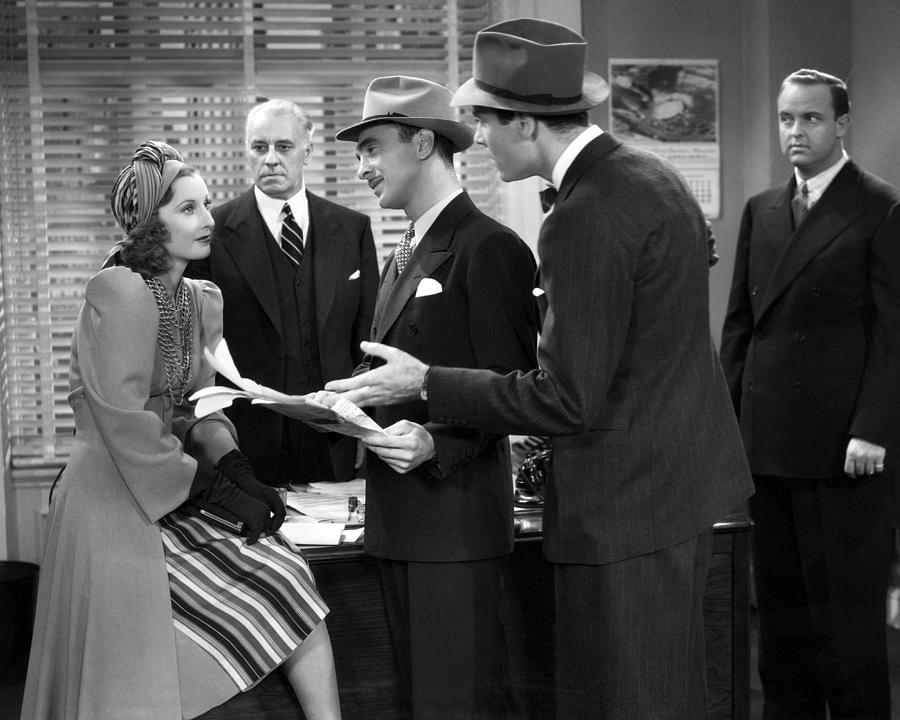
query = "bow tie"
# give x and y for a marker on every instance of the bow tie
(548, 197)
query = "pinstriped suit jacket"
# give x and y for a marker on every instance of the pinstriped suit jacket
(646, 449)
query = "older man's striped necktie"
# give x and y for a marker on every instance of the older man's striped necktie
(291, 236)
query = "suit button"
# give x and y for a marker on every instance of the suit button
(817, 291)
(413, 328)
(800, 337)
(754, 291)
(759, 334)
(798, 387)
(750, 385)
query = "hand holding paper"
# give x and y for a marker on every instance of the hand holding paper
(403, 446)
(324, 411)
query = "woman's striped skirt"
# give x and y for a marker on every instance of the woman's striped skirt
(247, 606)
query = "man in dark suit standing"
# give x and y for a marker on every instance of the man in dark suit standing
(646, 451)
(457, 290)
(299, 293)
(811, 348)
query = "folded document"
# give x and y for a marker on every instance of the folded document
(328, 413)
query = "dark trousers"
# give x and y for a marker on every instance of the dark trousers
(821, 561)
(448, 640)
(629, 636)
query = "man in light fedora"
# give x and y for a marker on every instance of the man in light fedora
(456, 291)
(646, 451)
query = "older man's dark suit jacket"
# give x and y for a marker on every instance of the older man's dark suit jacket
(811, 341)
(346, 281)
(646, 450)
(458, 508)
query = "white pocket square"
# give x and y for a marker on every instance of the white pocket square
(354, 275)
(428, 286)
(537, 292)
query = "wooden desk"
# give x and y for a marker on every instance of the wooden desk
(349, 582)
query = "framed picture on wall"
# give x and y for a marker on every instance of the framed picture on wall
(672, 108)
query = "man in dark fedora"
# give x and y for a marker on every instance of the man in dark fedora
(456, 291)
(646, 451)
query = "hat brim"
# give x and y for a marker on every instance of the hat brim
(459, 134)
(594, 90)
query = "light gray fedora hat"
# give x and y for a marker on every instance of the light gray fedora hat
(411, 101)
(531, 66)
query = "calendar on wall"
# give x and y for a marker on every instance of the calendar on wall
(672, 108)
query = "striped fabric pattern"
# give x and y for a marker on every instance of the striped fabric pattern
(248, 606)
(291, 236)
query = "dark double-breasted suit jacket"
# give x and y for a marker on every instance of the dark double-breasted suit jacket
(459, 507)
(345, 273)
(811, 340)
(646, 449)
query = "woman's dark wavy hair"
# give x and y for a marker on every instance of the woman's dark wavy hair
(144, 249)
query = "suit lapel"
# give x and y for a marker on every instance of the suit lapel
(388, 278)
(244, 238)
(430, 253)
(827, 219)
(328, 249)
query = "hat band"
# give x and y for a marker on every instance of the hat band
(539, 99)
(386, 115)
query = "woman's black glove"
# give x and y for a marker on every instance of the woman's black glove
(254, 514)
(236, 467)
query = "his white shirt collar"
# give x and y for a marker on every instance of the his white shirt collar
(571, 152)
(270, 209)
(818, 184)
(424, 223)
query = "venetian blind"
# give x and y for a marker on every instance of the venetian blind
(85, 82)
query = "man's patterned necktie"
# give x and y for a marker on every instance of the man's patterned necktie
(800, 204)
(404, 248)
(291, 237)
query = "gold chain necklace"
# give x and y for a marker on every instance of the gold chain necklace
(176, 336)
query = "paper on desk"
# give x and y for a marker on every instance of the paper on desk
(322, 508)
(333, 413)
(312, 533)
(346, 488)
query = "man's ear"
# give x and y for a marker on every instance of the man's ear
(843, 125)
(425, 143)
(527, 126)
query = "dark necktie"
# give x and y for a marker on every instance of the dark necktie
(800, 204)
(291, 236)
(404, 248)
(548, 198)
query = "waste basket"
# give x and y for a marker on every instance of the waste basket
(18, 592)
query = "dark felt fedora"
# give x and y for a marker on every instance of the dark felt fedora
(531, 66)
(410, 101)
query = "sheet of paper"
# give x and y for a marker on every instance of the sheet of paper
(355, 487)
(352, 534)
(312, 533)
(324, 508)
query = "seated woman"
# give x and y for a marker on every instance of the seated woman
(145, 609)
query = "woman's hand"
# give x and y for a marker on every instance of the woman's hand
(236, 467)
